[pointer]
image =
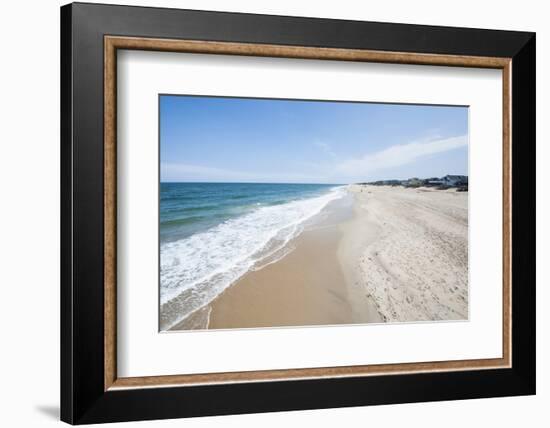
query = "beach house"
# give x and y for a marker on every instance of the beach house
(455, 180)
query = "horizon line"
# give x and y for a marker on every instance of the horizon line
(249, 182)
(296, 182)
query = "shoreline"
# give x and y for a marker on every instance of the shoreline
(308, 286)
(366, 258)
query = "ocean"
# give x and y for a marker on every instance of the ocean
(213, 233)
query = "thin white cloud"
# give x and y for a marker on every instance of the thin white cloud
(399, 155)
(332, 171)
(182, 172)
(187, 172)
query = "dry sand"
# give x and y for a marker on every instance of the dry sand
(381, 254)
(416, 266)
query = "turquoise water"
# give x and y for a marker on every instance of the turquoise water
(188, 208)
(213, 233)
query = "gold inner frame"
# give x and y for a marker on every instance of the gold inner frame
(113, 43)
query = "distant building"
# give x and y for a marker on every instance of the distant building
(412, 182)
(455, 180)
(458, 181)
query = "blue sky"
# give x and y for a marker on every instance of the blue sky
(214, 139)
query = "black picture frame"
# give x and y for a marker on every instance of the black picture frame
(83, 398)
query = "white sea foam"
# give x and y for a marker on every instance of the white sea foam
(196, 269)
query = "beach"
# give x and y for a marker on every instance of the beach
(367, 254)
(415, 266)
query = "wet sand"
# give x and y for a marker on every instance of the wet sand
(381, 254)
(308, 286)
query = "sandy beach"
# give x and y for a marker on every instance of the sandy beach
(379, 254)
(415, 263)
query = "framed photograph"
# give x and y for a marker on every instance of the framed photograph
(265, 213)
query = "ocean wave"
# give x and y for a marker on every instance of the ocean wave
(198, 268)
